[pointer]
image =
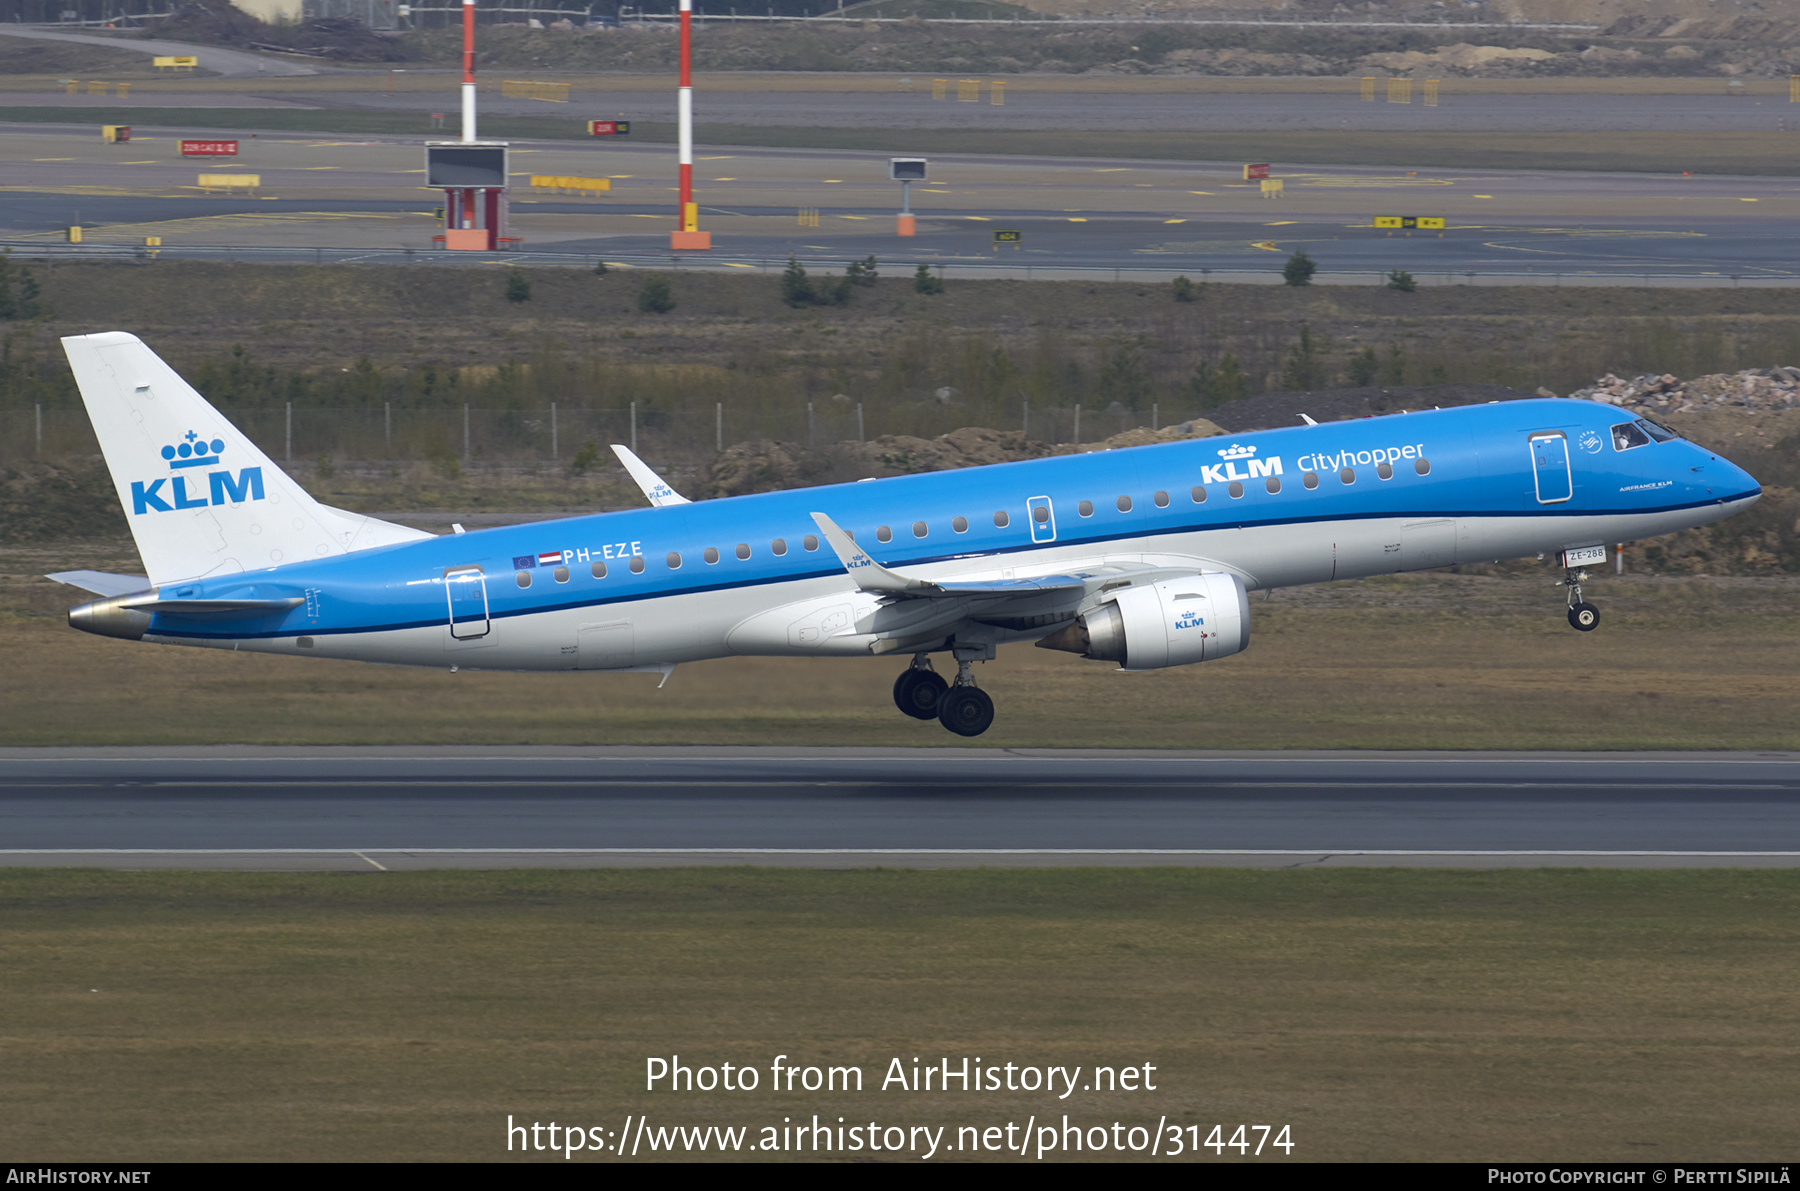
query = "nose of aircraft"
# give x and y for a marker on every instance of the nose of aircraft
(1726, 480)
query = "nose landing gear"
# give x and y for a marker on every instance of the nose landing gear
(1582, 615)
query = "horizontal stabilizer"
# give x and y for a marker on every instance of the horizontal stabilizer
(227, 609)
(102, 583)
(656, 489)
(872, 576)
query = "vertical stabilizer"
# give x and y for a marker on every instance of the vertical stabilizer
(201, 499)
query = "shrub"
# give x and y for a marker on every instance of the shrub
(599, 268)
(1401, 280)
(861, 272)
(1299, 269)
(796, 289)
(656, 297)
(586, 460)
(1185, 290)
(518, 288)
(1305, 366)
(926, 282)
(1364, 367)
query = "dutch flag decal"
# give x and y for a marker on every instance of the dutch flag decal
(550, 558)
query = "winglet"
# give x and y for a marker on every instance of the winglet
(654, 486)
(1308, 420)
(869, 574)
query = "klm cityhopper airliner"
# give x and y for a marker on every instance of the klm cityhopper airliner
(1143, 557)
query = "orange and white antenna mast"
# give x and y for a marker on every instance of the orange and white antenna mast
(468, 83)
(689, 237)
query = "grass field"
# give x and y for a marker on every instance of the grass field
(1547, 1015)
(1755, 153)
(1427, 661)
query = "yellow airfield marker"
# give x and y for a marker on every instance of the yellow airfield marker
(1077, 219)
(1174, 221)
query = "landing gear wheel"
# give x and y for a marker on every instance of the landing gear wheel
(1584, 616)
(966, 710)
(918, 692)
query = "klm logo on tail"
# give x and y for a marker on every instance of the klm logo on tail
(222, 488)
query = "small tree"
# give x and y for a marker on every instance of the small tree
(518, 288)
(862, 272)
(1122, 378)
(1230, 383)
(1305, 366)
(925, 282)
(1393, 372)
(796, 290)
(1364, 366)
(1299, 269)
(586, 460)
(656, 297)
(1401, 280)
(1185, 290)
(599, 268)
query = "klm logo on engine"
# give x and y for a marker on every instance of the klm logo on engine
(222, 487)
(1191, 620)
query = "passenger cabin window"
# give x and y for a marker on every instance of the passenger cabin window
(561, 574)
(920, 529)
(779, 546)
(1347, 476)
(1422, 465)
(1162, 500)
(1626, 435)
(1273, 484)
(1236, 490)
(810, 542)
(884, 534)
(1001, 519)
(743, 550)
(960, 525)
(599, 570)
(674, 561)
(1124, 503)
(1310, 479)
(524, 578)
(637, 565)
(711, 556)
(1085, 508)
(1198, 494)
(1040, 514)
(1385, 470)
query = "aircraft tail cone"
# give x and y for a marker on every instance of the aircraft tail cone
(107, 618)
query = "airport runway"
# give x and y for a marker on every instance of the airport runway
(291, 809)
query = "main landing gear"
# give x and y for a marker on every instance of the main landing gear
(1582, 615)
(964, 708)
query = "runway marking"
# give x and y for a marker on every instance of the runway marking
(382, 867)
(1485, 196)
(840, 217)
(830, 181)
(1281, 223)
(1206, 192)
(1077, 219)
(726, 157)
(1745, 200)
(1265, 245)
(832, 783)
(1123, 169)
(738, 265)
(328, 167)
(979, 218)
(1174, 221)
(724, 179)
(53, 159)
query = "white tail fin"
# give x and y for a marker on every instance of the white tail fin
(200, 498)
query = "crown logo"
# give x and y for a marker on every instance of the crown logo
(193, 451)
(1234, 451)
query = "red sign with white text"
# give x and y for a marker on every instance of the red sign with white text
(209, 148)
(609, 128)
(1253, 172)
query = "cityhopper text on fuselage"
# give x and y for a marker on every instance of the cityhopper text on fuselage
(1143, 556)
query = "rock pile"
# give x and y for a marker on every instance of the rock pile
(1753, 388)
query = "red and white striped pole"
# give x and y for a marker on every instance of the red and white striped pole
(468, 83)
(689, 237)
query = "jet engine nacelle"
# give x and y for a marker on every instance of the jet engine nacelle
(1173, 622)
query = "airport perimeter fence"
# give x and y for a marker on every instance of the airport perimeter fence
(557, 435)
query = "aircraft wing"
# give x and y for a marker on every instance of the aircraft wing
(102, 583)
(656, 489)
(872, 576)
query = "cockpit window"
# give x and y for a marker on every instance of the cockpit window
(1626, 435)
(1656, 431)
